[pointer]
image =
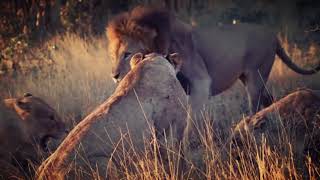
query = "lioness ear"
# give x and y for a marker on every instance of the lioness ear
(136, 58)
(176, 60)
(9, 103)
(21, 108)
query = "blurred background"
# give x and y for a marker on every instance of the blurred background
(35, 20)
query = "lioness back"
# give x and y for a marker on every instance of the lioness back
(149, 99)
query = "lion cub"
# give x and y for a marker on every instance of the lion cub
(26, 125)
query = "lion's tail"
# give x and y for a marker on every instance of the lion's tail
(286, 59)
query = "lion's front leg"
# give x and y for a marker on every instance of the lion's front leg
(195, 72)
(200, 92)
(200, 81)
(199, 95)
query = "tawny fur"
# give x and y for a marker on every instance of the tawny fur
(295, 118)
(51, 168)
(48, 169)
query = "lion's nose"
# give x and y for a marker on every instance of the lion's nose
(116, 76)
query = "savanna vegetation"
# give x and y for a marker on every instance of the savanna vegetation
(57, 50)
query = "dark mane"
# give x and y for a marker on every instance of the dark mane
(140, 23)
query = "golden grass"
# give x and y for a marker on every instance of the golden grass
(80, 80)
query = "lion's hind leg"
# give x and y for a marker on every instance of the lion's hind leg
(255, 83)
(266, 98)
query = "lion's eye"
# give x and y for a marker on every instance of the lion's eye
(126, 55)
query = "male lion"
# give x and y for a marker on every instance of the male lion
(26, 125)
(214, 58)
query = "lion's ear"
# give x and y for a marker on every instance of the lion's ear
(160, 40)
(176, 60)
(136, 58)
(150, 33)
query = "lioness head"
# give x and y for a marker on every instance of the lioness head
(143, 30)
(174, 59)
(39, 121)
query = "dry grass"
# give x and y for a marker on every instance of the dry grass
(80, 80)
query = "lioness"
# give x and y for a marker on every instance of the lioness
(290, 123)
(26, 125)
(214, 58)
(149, 98)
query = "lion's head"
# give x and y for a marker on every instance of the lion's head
(143, 29)
(38, 121)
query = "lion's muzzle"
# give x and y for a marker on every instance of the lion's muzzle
(116, 77)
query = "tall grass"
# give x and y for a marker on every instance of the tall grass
(221, 159)
(76, 82)
(79, 80)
